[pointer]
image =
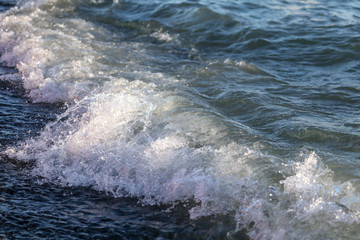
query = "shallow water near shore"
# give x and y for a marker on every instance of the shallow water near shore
(179, 119)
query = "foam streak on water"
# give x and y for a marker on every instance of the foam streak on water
(139, 124)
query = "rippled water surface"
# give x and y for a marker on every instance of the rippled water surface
(179, 119)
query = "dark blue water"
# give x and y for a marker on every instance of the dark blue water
(179, 119)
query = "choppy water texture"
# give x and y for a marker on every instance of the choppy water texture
(179, 119)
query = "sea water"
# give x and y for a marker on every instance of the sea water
(180, 119)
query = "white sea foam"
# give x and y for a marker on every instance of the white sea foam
(165, 36)
(56, 63)
(311, 206)
(121, 141)
(131, 131)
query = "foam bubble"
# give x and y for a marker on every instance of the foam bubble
(165, 36)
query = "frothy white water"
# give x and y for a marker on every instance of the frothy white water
(26, 46)
(130, 140)
(311, 206)
(131, 131)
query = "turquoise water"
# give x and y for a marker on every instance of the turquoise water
(180, 119)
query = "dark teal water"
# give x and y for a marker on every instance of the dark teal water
(180, 119)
